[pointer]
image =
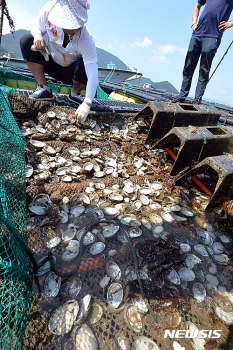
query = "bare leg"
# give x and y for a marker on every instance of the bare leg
(38, 72)
(77, 87)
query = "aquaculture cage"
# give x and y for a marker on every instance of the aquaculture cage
(15, 282)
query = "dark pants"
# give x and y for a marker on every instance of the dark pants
(205, 48)
(75, 71)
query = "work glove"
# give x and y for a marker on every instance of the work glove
(45, 53)
(82, 112)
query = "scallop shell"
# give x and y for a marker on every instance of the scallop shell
(133, 318)
(144, 343)
(113, 270)
(53, 242)
(97, 248)
(37, 144)
(192, 260)
(84, 338)
(52, 285)
(28, 171)
(84, 309)
(115, 295)
(74, 287)
(199, 292)
(63, 318)
(199, 248)
(186, 274)
(110, 231)
(69, 233)
(173, 277)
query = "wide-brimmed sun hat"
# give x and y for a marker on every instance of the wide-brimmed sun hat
(69, 14)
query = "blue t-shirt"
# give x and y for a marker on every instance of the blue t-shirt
(214, 12)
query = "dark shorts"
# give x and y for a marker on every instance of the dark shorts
(75, 71)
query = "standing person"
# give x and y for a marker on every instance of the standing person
(204, 43)
(71, 52)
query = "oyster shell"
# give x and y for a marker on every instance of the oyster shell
(144, 343)
(113, 270)
(115, 295)
(63, 319)
(133, 318)
(199, 292)
(52, 285)
(97, 248)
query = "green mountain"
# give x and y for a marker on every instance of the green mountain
(11, 44)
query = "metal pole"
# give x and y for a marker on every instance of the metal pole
(2, 7)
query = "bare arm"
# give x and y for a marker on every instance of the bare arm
(196, 11)
(225, 25)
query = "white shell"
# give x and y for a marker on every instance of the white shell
(137, 205)
(199, 248)
(99, 185)
(218, 248)
(49, 150)
(69, 254)
(88, 166)
(99, 174)
(197, 343)
(88, 239)
(53, 242)
(110, 231)
(185, 248)
(192, 260)
(145, 190)
(199, 292)
(44, 175)
(62, 171)
(97, 248)
(144, 343)
(227, 317)
(75, 169)
(144, 199)
(51, 114)
(140, 304)
(156, 219)
(179, 218)
(173, 277)
(212, 279)
(60, 160)
(104, 281)
(115, 295)
(157, 229)
(52, 285)
(67, 178)
(135, 232)
(186, 212)
(38, 208)
(84, 338)
(37, 144)
(222, 259)
(116, 197)
(130, 220)
(63, 318)
(69, 233)
(74, 151)
(111, 211)
(28, 171)
(113, 270)
(84, 308)
(186, 274)
(74, 287)
(167, 216)
(133, 318)
(85, 199)
(112, 252)
(146, 223)
(76, 211)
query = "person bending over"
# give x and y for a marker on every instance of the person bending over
(70, 50)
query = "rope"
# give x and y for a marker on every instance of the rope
(202, 92)
(204, 143)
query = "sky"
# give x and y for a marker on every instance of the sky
(152, 36)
